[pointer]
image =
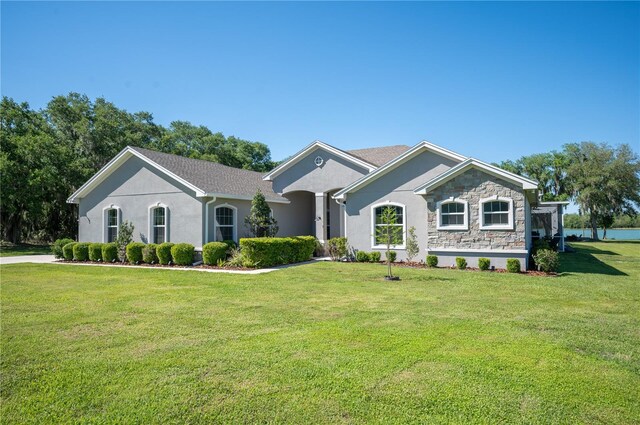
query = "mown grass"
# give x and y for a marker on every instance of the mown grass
(324, 343)
(12, 250)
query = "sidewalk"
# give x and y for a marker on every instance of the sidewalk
(27, 259)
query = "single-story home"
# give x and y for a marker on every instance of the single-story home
(459, 206)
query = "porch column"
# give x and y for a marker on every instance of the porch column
(321, 216)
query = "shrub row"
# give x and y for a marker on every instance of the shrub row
(368, 257)
(266, 252)
(136, 252)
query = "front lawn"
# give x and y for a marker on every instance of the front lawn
(11, 250)
(324, 343)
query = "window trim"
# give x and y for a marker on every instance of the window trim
(235, 221)
(465, 215)
(105, 222)
(166, 222)
(510, 213)
(373, 225)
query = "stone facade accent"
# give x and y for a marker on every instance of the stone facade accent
(472, 186)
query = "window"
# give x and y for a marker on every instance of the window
(159, 224)
(496, 213)
(225, 223)
(452, 215)
(110, 221)
(377, 210)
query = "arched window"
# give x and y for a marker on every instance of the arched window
(496, 213)
(111, 218)
(453, 214)
(377, 241)
(225, 223)
(158, 223)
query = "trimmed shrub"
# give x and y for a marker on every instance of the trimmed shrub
(163, 251)
(362, 257)
(513, 265)
(134, 252)
(461, 263)
(432, 261)
(67, 251)
(547, 260)
(231, 244)
(149, 255)
(391, 256)
(266, 252)
(95, 252)
(56, 248)
(182, 254)
(213, 252)
(374, 257)
(81, 251)
(337, 248)
(484, 263)
(110, 252)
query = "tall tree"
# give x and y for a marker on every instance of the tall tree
(605, 180)
(260, 221)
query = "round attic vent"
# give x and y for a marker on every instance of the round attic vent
(318, 161)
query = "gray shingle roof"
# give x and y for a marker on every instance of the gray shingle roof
(379, 156)
(212, 177)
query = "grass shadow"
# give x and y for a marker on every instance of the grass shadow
(584, 261)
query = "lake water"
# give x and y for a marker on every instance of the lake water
(617, 234)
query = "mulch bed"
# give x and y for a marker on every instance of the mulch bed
(417, 265)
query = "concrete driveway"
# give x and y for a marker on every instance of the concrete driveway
(27, 259)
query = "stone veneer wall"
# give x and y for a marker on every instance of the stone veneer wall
(472, 186)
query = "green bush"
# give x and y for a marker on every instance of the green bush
(149, 255)
(432, 261)
(95, 252)
(231, 244)
(266, 252)
(547, 260)
(391, 256)
(374, 257)
(214, 251)
(182, 254)
(110, 252)
(461, 263)
(484, 263)
(163, 251)
(362, 257)
(134, 252)
(81, 251)
(513, 265)
(56, 248)
(337, 248)
(67, 251)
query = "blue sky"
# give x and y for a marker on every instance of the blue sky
(490, 80)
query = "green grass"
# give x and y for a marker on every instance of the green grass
(324, 343)
(11, 250)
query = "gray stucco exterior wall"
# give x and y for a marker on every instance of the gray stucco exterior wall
(133, 188)
(396, 187)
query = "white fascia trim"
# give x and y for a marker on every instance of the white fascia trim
(166, 221)
(114, 164)
(452, 200)
(479, 251)
(399, 160)
(245, 198)
(373, 225)
(317, 144)
(527, 184)
(510, 214)
(545, 203)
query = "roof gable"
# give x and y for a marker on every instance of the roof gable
(205, 178)
(380, 155)
(310, 148)
(525, 183)
(397, 162)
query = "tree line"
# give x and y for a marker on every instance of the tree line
(603, 180)
(47, 154)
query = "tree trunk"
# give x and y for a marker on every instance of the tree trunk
(594, 227)
(604, 232)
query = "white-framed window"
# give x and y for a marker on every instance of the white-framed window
(158, 223)
(111, 218)
(452, 214)
(225, 220)
(376, 222)
(496, 213)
